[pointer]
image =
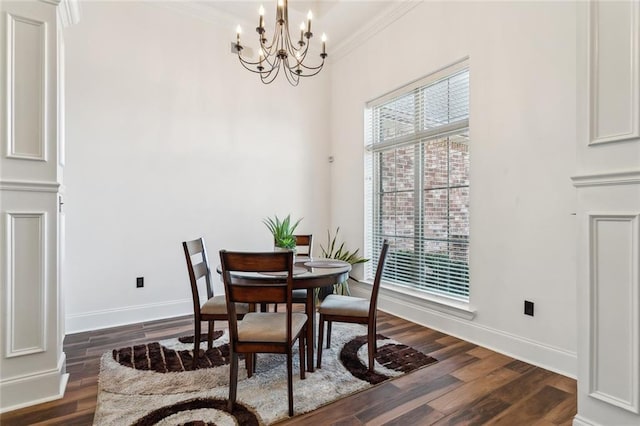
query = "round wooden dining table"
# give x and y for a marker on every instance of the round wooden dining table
(309, 274)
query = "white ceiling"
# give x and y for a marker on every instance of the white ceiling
(339, 19)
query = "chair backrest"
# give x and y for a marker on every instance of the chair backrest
(197, 270)
(373, 304)
(304, 245)
(273, 289)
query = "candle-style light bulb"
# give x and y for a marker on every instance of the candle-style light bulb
(324, 43)
(279, 13)
(238, 32)
(301, 30)
(309, 18)
(261, 12)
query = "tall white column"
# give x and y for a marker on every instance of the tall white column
(608, 194)
(32, 362)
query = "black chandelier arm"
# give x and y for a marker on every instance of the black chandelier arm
(246, 65)
(316, 68)
(309, 71)
(312, 74)
(270, 76)
(292, 78)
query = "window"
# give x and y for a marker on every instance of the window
(417, 183)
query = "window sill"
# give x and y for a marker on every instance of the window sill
(431, 301)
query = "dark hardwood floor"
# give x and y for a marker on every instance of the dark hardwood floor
(470, 385)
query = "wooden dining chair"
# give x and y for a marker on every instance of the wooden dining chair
(215, 307)
(262, 332)
(304, 247)
(353, 310)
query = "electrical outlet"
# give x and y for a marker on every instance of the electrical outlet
(140, 282)
(528, 308)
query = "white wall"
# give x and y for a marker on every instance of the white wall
(169, 139)
(202, 148)
(522, 132)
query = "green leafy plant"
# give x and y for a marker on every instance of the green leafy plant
(282, 231)
(335, 250)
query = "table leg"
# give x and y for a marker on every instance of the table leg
(311, 335)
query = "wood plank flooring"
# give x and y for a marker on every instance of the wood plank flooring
(470, 385)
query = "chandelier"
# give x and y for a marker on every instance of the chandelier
(282, 53)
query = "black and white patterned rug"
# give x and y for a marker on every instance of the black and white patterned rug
(155, 384)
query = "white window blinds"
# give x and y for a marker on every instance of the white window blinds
(417, 183)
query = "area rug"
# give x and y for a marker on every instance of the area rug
(154, 384)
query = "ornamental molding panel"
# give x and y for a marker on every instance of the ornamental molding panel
(27, 120)
(625, 177)
(614, 304)
(29, 186)
(25, 285)
(614, 71)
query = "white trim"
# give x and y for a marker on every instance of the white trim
(624, 177)
(381, 21)
(69, 12)
(594, 74)
(633, 327)
(431, 78)
(29, 186)
(553, 358)
(205, 13)
(21, 389)
(438, 303)
(581, 421)
(385, 18)
(12, 313)
(10, 46)
(107, 318)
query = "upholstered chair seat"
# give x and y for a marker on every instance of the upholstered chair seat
(218, 305)
(335, 304)
(269, 327)
(336, 308)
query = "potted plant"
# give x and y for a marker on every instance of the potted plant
(339, 252)
(282, 231)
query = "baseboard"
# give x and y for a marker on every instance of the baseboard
(554, 359)
(34, 388)
(129, 315)
(581, 421)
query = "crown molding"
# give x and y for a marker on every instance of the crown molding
(385, 18)
(69, 11)
(388, 16)
(203, 12)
